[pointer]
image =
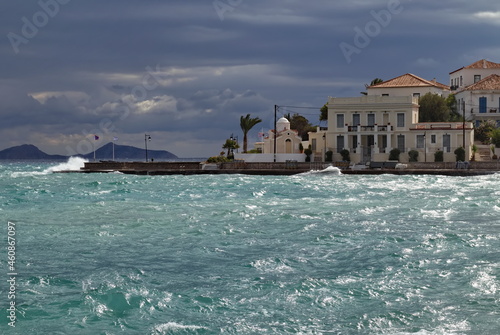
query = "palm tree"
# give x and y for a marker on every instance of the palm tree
(247, 123)
(230, 145)
(373, 82)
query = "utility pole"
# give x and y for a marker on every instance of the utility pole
(275, 131)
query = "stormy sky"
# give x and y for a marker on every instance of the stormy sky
(184, 71)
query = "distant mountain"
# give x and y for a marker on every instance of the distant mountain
(127, 152)
(28, 151)
(31, 152)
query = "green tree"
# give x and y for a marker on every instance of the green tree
(483, 131)
(433, 108)
(301, 125)
(373, 82)
(495, 138)
(451, 102)
(230, 145)
(247, 123)
(324, 113)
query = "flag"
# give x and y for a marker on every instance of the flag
(96, 137)
(115, 138)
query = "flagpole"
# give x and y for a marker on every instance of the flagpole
(93, 145)
(113, 150)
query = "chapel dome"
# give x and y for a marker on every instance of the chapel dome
(282, 124)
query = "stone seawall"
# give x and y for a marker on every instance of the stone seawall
(288, 168)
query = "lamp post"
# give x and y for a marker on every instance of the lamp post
(324, 147)
(425, 146)
(146, 139)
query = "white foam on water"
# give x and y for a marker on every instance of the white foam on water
(331, 170)
(73, 164)
(173, 326)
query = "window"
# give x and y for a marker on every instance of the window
(371, 120)
(433, 139)
(385, 95)
(313, 145)
(420, 141)
(356, 119)
(416, 95)
(340, 143)
(461, 81)
(477, 78)
(340, 120)
(447, 143)
(483, 101)
(401, 120)
(401, 143)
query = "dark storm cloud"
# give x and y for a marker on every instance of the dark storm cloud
(187, 70)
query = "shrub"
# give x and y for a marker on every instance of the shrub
(345, 155)
(308, 153)
(482, 132)
(460, 154)
(217, 159)
(394, 154)
(495, 137)
(413, 154)
(329, 156)
(439, 156)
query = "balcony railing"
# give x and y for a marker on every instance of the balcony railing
(370, 128)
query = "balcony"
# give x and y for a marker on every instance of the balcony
(370, 129)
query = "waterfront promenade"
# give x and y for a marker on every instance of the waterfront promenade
(288, 168)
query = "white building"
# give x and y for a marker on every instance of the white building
(408, 85)
(468, 75)
(477, 91)
(369, 127)
(287, 145)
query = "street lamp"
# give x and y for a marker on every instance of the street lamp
(425, 146)
(324, 147)
(146, 139)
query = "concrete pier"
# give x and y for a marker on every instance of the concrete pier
(288, 168)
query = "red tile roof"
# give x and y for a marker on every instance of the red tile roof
(487, 84)
(480, 64)
(409, 80)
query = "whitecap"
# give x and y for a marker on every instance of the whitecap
(173, 326)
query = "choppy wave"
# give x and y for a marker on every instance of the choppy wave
(330, 170)
(73, 164)
(236, 254)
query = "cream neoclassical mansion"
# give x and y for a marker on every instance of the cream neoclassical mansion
(370, 126)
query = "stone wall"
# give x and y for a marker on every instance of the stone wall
(140, 166)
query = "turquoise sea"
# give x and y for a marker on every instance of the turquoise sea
(234, 254)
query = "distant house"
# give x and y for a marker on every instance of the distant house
(477, 91)
(408, 85)
(371, 126)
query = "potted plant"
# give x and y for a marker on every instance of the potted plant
(474, 150)
(329, 156)
(394, 154)
(345, 155)
(439, 156)
(460, 154)
(308, 153)
(413, 155)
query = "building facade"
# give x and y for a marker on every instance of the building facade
(477, 91)
(369, 127)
